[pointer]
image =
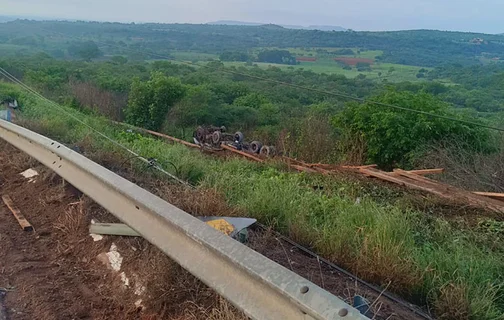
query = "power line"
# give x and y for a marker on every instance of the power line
(149, 162)
(325, 92)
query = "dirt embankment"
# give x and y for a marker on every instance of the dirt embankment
(60, 272)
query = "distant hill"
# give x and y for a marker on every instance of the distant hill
(7, 18)
(311, 27)
(34, 18)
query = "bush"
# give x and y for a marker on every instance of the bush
(149, 102)
(394, 137)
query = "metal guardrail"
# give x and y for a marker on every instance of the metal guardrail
(254, 284)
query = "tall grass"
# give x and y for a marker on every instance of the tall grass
(364, 229)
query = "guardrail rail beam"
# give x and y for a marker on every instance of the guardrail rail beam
(254, 284)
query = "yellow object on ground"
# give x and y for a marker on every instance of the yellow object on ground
(221, 225)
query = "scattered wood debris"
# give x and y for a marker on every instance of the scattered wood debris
(17, 214)
(247, 155)
(413, 180)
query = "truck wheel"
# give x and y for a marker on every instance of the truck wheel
(268, 151)
(255, 147)
(200, 134)
(238, 137)
(216, 137)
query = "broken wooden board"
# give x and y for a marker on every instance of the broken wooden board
(302, 169)
(154, 133)
(458, 194)
(25, 225)
(490, 194)
(418, 182)
(247, 155)
(367, 166)
(420, 172)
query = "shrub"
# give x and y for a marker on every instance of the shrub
(149, 102)
(394, 137)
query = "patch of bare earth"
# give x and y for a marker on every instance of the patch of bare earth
(60, 272)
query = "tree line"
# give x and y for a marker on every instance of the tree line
(175, 98)
(419, 47)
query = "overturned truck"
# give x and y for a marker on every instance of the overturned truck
(212, 137)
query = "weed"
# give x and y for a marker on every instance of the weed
(378, 238)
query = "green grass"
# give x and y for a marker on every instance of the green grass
(324, 64)
(380, 238)
(331, 52)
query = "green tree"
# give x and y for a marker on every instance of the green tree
(393, 137)
(234, 56)
(149, 102)
(277, 56)
(363, 66)
(120, 60)
(252, 100)
(85, 50)
(269, 114)
(195, 108)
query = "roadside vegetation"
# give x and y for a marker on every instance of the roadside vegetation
(378, 233)
(443, 257)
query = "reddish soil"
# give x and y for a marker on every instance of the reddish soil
(353, 61)
(55, 271)
(50, 270)
(306, 59)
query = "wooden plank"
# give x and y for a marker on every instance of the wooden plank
(322, 166)
(289, 160)
(303, 169)
(456, 194)
(431, 183)
(247, 155)
(25, 225)
(398, 180)
(154, 133)
(490, 194)
(369, 166)
(419, 172)
(115, 229)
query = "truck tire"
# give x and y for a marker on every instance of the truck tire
(238, 137)
(256, 147)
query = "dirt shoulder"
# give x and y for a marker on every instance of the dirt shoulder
(60, 272)
(51, 272)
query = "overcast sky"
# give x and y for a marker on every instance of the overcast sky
(462, 15)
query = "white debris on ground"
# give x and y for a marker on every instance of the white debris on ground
(139, 304)
(139, 288)
(124, 279)
(115, 258)
(29, 174)
(96, 237)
